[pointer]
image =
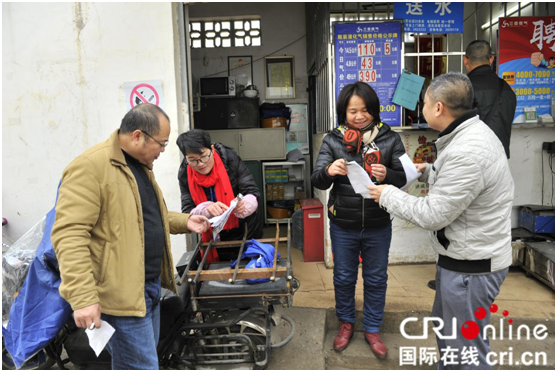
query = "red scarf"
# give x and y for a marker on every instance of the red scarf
(218, 178)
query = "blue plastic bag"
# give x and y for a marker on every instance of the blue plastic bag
(38, 312)
(262, 257)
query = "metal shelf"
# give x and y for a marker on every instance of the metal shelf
(300, 171)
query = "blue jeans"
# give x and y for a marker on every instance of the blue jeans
(373, 245)
(134, 344)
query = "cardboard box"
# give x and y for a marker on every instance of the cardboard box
(280, 187)
(273, 123)
(269, 191)
(275, 191)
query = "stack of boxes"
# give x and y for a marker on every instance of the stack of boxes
(275, 191)
(275, 178)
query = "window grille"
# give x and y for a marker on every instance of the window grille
(225, 33)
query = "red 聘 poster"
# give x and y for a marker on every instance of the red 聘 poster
(527, 61)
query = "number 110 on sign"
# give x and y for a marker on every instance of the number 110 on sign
(366, 49)
(368, 76)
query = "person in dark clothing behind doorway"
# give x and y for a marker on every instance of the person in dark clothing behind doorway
(358, 226)
(210, 177)
(493, 97)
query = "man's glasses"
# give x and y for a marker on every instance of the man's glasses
(163, 145)
(202, 160)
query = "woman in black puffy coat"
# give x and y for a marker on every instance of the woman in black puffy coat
(358, 226)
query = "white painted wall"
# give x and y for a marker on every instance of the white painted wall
(281, 24)
(64, 65)
(527, 162)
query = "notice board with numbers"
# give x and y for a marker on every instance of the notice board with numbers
(370, 52)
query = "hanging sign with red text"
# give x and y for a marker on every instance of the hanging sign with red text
(527, 62)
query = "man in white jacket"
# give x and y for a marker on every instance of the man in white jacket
(468, 214)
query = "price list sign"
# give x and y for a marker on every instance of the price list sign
(370, 52)
(527, 62)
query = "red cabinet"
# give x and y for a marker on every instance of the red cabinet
(314, 245)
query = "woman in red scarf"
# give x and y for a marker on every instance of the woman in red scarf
(210, 177)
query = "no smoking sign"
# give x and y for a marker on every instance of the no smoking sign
(140, 92)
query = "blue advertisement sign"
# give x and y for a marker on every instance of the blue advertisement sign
(439, 17)
(370, 52)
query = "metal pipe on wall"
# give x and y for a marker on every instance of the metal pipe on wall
(490, 25)
(475, 21)
(447, 50)
(462, 50)
(343, 13)
(432, 57)
(533, 9)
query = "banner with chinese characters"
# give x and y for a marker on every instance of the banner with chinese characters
(370, 52)
(440, 17)
(527, 61)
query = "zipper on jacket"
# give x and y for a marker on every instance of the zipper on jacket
(363, 209)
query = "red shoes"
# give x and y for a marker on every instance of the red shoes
(344, 335)
(377, 346)
(373, 339)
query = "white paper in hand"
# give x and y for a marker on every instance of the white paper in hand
(98, 337)
(410, 170)
(218, 222)
(359, 179)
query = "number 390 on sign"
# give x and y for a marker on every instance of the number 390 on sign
(368, 76)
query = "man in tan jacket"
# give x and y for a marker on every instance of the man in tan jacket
(111, 236)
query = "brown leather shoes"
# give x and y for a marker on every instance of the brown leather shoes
(377, 346)
(344, 335)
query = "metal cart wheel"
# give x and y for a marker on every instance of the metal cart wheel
(259, 339)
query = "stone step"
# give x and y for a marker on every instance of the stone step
(358, 355)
